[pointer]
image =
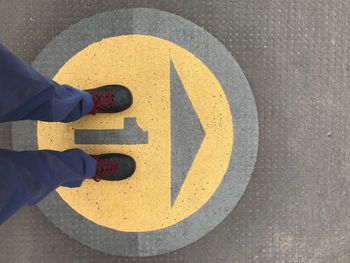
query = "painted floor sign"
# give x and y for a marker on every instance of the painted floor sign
(192, 130)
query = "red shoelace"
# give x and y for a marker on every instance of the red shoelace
(102, 100)
(105, 167)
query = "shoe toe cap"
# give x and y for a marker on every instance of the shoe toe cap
(127, 167)
(124, 98)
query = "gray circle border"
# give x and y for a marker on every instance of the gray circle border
(236, 87)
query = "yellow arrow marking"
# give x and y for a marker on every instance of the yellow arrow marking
(142, 63)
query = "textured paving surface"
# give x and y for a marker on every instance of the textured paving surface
(295, 56)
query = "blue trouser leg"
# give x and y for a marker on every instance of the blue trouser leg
(28, 95)
(28, 176)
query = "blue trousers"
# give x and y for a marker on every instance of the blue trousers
(27, 177)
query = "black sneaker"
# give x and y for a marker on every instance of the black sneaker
(114, 167)
(110, 99)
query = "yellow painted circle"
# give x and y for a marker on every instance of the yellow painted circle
(143, 202)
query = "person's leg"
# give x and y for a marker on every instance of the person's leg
(29, 176)
(28, 95)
